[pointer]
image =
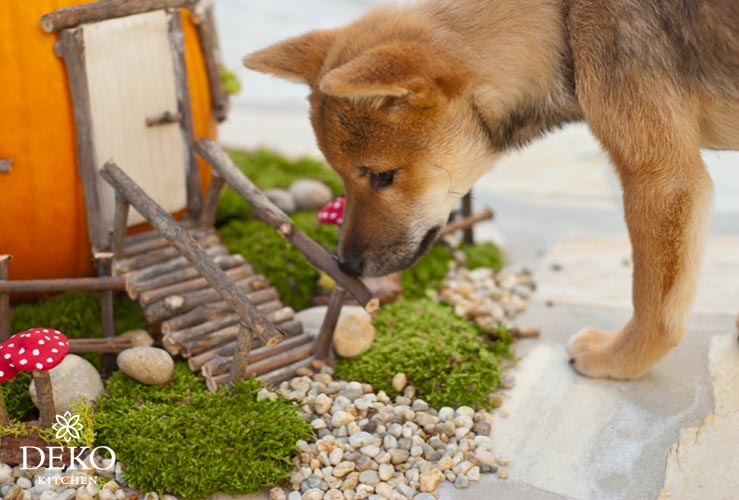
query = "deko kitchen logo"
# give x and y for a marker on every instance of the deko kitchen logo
(68, 428)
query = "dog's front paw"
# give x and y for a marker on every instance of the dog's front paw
(596, 354)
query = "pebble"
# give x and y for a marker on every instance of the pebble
(310, 194)
(148, 365)
(354, 334)
(369, 477)
(6, 473)
(430, 480)
(138, 337)
(277, 494)
(399, 382)
(343, 468)
(72, 380)
(294, 495)
(282, 198)
(313, 494)
(386, 472)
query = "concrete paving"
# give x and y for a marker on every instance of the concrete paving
(672, 434)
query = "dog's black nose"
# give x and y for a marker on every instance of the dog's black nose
(351, 266)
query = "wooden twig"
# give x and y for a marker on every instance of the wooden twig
(297, 355)
(71, 47)
(184, 109)
(208, 36)
(4, 299)
(120, 225)
(324, 347)
(70, 17)
(225, 262)
(63, 285)
(101, 346)
(236, 274)
(6, 165)
(209, 312)
(240, 361)
(469, 233)
(267, 212)
(171, 266)
(163, 119)
(218, 361)
(171, 306)
(210, 205)
(157, 256)
(104, 264)
(466, 222)
(228, 334)
(189, 248)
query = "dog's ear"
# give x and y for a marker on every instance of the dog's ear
(397, 70)
(297, 58)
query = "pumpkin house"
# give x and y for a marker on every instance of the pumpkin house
(135, 84)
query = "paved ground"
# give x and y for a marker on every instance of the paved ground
(672, 434)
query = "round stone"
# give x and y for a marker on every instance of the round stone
(354, 334)
(72, 380)
(148, 365)
(369, 477)
(282, 198)
(310, 194)
(399, 382)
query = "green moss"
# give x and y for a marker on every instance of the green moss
(182, 440)
(270, 170)
(276, 259)
(17, 401)
(484, 255)
(77, 315)
(426, 274)
(448, 360)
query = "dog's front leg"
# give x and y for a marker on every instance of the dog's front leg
(666, 207)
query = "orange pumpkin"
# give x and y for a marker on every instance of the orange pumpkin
(42, 209)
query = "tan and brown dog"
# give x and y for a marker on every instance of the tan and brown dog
(411, 104)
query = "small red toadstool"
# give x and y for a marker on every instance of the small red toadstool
(333, 212)
(38, 350)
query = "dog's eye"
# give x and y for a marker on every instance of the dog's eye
(379, 180)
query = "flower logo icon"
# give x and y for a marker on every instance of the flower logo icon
(67, 427)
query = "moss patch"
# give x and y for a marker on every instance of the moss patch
(276, 259)
(483, 255)
(269, 170)
(17, 401)
(180, 439)
(449, 361)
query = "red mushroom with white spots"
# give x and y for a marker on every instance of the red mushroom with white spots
(38, 350)
(7, 372)
(333, 212)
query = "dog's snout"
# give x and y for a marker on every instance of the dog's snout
(352, 266)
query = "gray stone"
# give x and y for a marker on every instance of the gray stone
(282, 198)
(148, 365)
(72, 380)
(461, 482)
(294, 495)
(369, 477)
(138, 338)
(310, 194)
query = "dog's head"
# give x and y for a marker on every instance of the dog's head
(390, 116)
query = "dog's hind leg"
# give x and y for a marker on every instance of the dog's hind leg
(667, 197)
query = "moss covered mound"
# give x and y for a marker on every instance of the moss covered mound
(17, 401)
(269, 170)
(276, 259)
(448, 360)
(183, 440)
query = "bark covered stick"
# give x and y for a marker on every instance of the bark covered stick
(146, 298)
(486, 214)
(270, 214)
(175, 264)
(181, 239)
(63, 285)
(176, 304)
(218, 361)
(225, 335)
(216, 310)
(4, 300)
(324, 348)
(136, 287)
(70, 17)
(104, 264)
(100, 346)
(297, 355)
(156, 256)
(210, 205)
(240, 361)
(469, 233)
(120, 224)
(4, 417)
(173, 340)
